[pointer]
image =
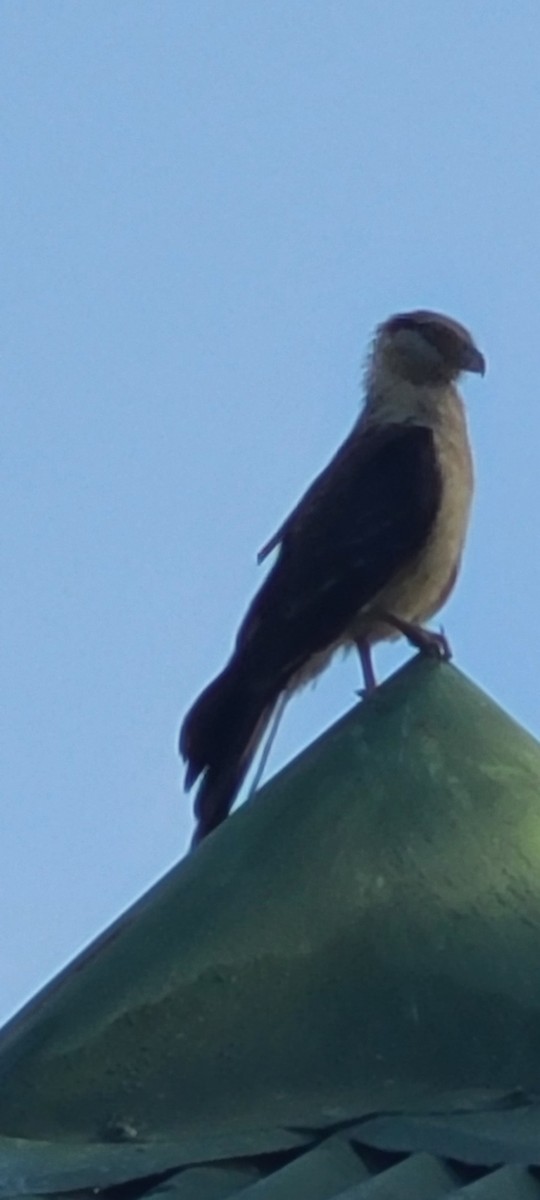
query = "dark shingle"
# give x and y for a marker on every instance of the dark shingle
(420, 1177)
(319, 1174)
(482, 1138)
(510, 1183)
(207, 1183)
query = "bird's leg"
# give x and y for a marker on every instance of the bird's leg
(434, 645)
(370, 683)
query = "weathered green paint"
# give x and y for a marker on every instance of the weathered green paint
(366, 932)
(52, 1168)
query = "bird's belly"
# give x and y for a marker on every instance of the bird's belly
(413, 597)
(420, 590)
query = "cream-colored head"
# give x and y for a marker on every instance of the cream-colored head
(424, 349)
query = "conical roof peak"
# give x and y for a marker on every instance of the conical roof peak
(362, 935)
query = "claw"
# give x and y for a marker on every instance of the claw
(433, 644)
(427, 641)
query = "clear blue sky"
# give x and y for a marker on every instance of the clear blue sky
(206, 208)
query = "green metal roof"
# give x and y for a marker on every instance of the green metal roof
(361, 938)
(489, 1154)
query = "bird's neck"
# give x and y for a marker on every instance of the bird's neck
(390, 399)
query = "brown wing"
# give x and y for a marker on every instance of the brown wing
(360, 522)
(320, 483)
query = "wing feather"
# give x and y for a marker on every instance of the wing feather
(361, 521)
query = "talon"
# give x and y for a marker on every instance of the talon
(427, 641)
(433, 644)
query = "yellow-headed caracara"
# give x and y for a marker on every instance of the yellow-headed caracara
(371, 551)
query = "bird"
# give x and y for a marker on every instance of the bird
(371, 552)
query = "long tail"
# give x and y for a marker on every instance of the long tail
(218, 740)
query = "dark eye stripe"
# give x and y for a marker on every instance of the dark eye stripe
(446, 335)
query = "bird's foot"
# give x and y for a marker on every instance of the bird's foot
(427, 641)
(430, 643)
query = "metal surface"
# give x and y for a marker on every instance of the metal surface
(364, 934)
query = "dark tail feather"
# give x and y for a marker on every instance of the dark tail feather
(218, 740)
(219, 787)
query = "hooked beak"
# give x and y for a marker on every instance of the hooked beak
(474, 361)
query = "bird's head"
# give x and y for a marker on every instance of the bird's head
(425, 348)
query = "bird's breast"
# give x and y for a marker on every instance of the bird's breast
(420, 589)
